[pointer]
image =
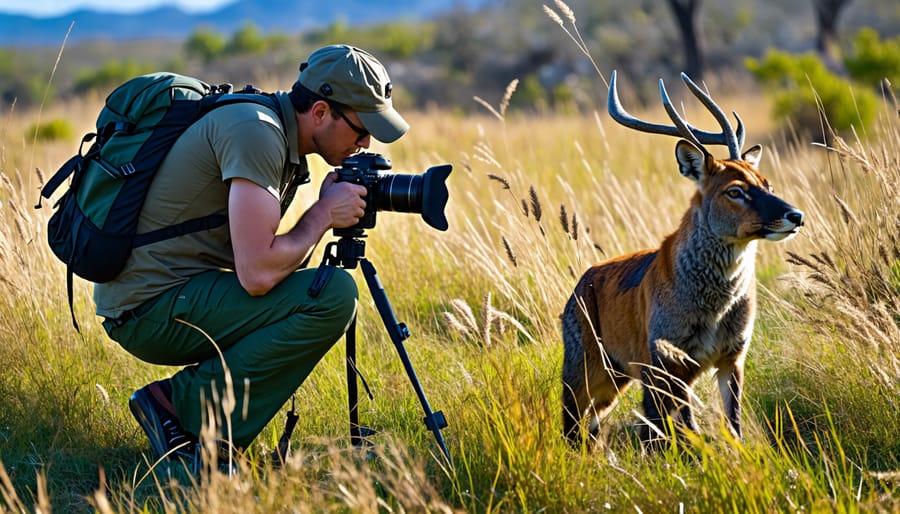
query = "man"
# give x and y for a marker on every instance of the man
(232, 297)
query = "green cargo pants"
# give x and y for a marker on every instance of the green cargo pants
(270, 343)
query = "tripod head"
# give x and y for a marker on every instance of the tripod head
(348, 250)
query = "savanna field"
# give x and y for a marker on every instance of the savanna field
(534, 200)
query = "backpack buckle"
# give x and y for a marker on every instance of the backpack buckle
(220, 89)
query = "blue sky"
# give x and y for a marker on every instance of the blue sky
(57, 7)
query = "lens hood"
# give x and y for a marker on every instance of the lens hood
(435, 196)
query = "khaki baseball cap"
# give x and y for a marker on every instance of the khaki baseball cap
(353, 77)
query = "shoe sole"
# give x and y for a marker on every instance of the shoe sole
(140, 405)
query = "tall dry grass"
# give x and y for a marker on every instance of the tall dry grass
(534, 201)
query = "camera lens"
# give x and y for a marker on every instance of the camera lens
(425, 194)
(400, 193)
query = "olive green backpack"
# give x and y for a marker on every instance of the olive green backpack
(94, 227)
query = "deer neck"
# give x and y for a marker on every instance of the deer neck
(709, 270)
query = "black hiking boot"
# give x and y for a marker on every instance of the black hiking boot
(152, 407)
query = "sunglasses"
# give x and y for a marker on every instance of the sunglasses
(360, 132)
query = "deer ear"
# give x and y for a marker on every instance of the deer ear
(691, 160)
(753, 155)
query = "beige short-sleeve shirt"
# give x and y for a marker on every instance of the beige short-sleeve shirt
(244, 140)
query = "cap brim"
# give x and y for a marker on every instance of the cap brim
(386, 126)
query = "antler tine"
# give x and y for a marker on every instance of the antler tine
(733, 140)
(740, 131)
(684, 130)
(681, 129)
(618, 113)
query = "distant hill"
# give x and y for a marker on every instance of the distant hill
(288, 16)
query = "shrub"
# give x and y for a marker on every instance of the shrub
(112, 73)
(530, 94)
(247, 40)
(205, 44)
(402, 40)
(874, 59)
(56, 129)
(805, 90)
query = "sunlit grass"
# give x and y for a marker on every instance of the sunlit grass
(534, 201)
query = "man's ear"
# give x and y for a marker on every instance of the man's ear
(319, 110)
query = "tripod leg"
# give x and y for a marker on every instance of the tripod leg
(434, 421)
(359, 435)
(352, 385)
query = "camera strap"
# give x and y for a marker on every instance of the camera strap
(279, 455)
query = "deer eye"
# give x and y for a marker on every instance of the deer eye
(735, 193)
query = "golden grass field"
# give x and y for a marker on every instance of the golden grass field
(534, 200)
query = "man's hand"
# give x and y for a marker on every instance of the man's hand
(344, 201)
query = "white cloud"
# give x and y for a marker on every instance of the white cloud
(57, 7)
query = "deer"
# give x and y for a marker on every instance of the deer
(665, 316)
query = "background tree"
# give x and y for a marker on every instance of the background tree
(247, 40)
(205, 44)
(827, 14)
(686, 13)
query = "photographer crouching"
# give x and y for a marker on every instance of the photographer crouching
(241, 284)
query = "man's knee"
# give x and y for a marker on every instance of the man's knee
(340, 295)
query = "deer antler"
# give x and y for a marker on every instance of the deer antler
(734, 140)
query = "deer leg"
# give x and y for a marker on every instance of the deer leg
(731, 380)
(573, 397)
(667, 390)
(658, 403)
(686, 415)
(592, 395)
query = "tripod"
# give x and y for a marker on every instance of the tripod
(347, 252)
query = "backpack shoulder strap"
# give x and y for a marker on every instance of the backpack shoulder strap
(269, 100)
(203, 106)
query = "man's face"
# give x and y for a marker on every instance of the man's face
(339, 136)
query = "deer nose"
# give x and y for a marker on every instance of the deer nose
(795, 217)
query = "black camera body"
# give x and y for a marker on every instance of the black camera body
(365, 169)
(425, 194)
